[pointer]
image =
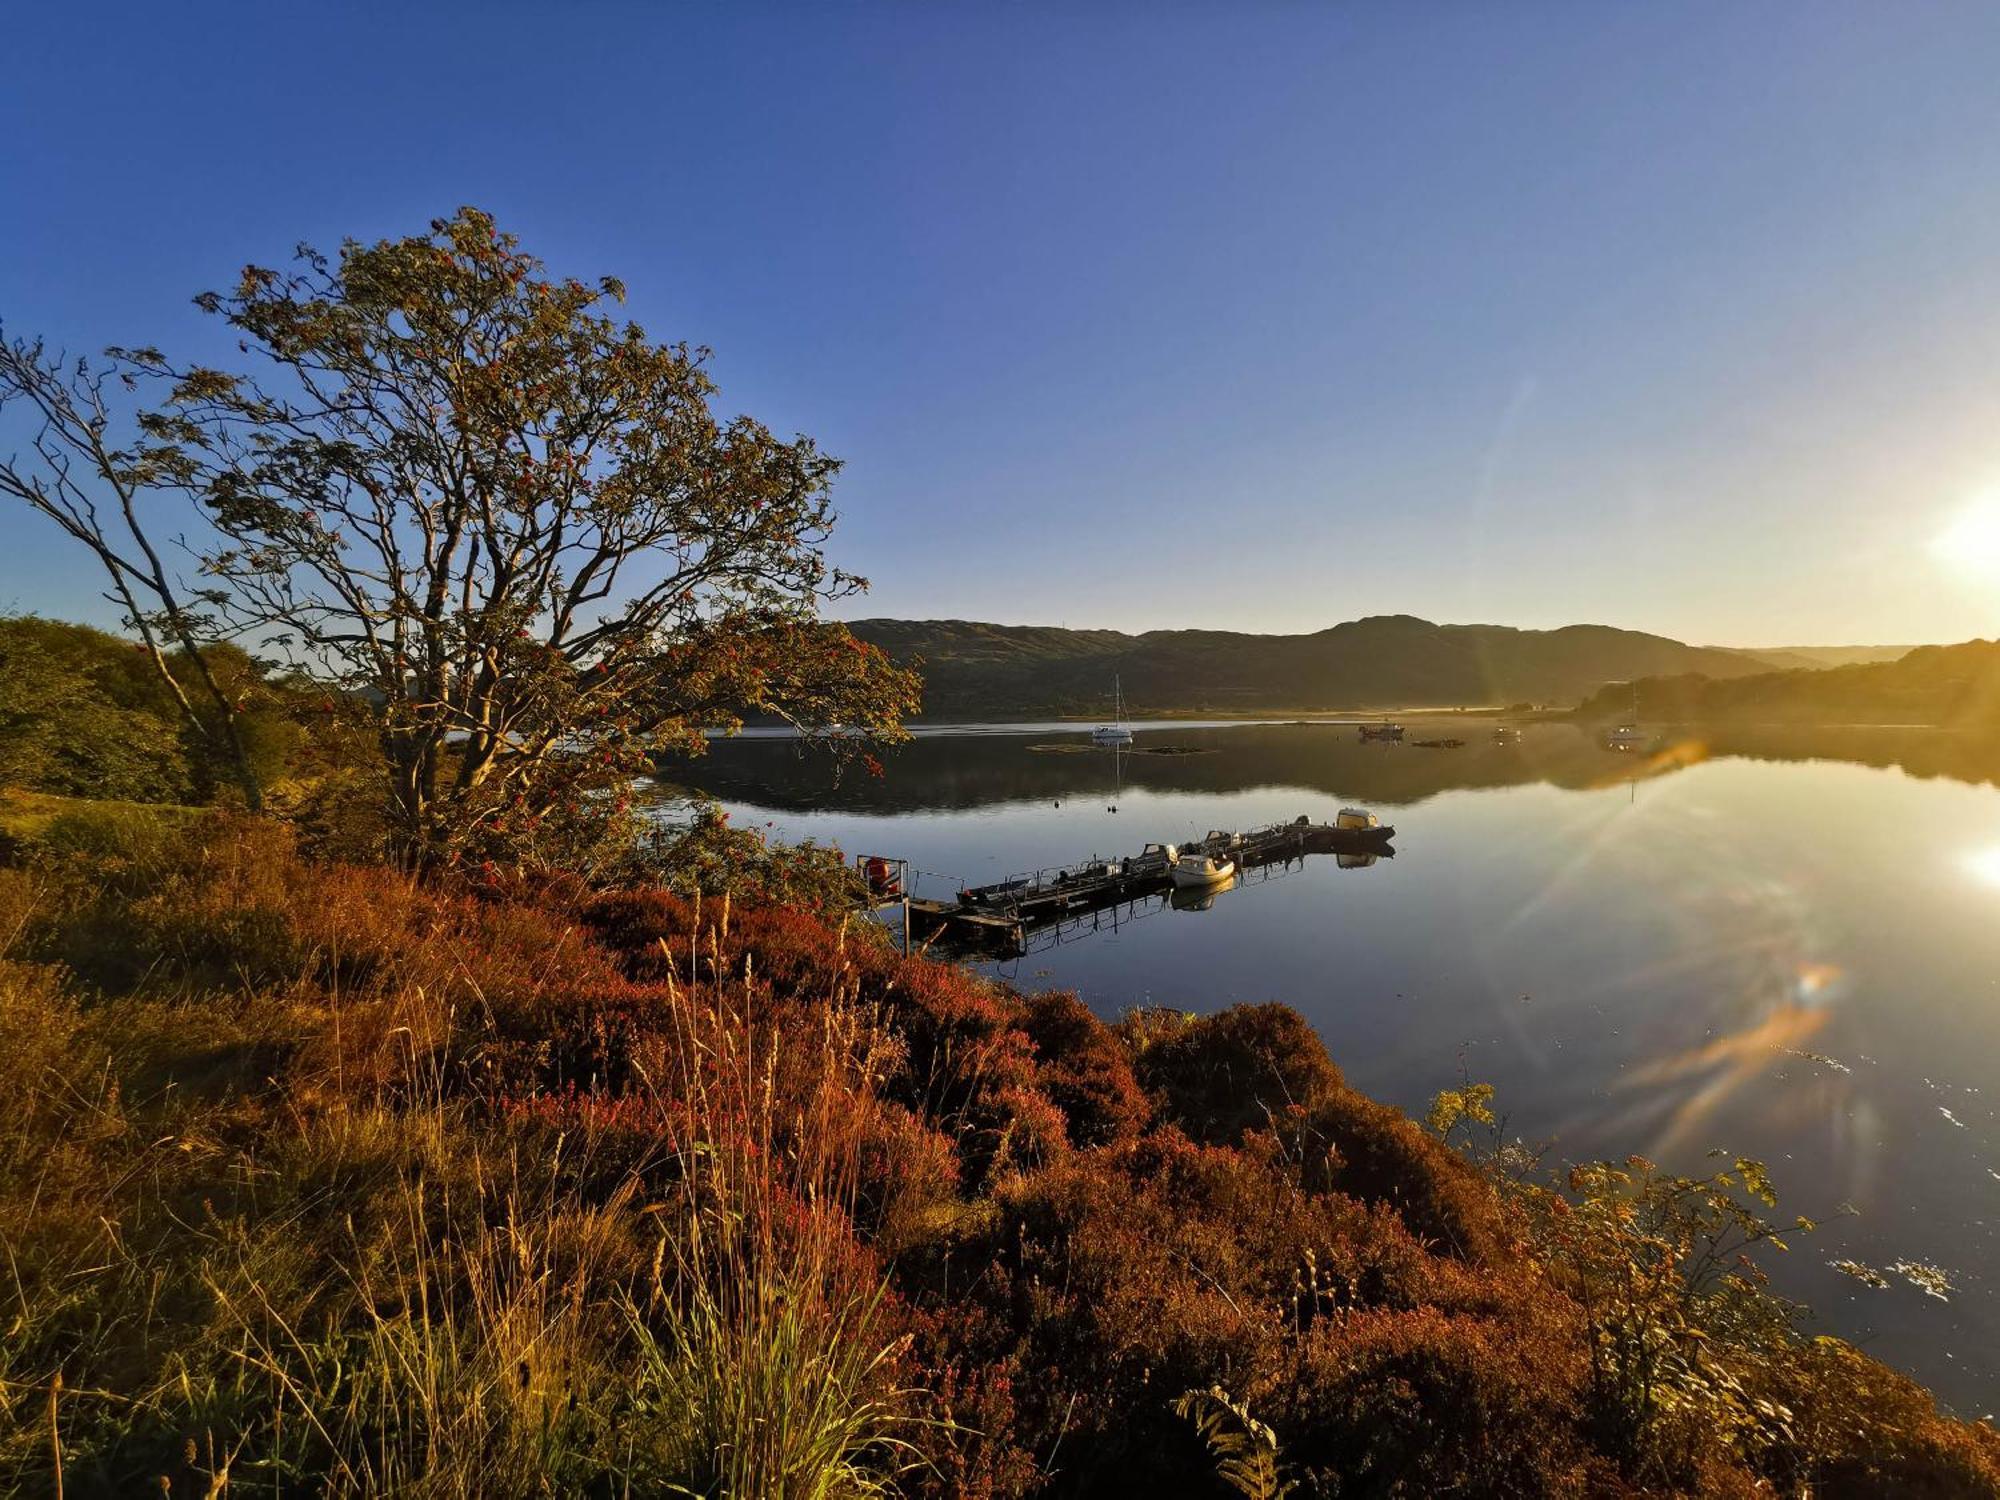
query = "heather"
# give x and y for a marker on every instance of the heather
(322, 1178)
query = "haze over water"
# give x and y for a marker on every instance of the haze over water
(1781, 945)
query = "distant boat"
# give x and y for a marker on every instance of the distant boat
(1506, 734)
(1114, 733)
(1628, 736)
(1198, 871)
(1383, 731)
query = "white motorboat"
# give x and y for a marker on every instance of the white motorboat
(1356, 820)
(1196, 871)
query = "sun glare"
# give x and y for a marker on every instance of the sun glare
(1984, 865)
(1971, 543)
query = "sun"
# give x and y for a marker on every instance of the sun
(1971, 543)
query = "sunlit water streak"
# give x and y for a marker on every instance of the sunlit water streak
(1792, 959)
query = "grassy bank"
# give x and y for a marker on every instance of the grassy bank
(318, 1180)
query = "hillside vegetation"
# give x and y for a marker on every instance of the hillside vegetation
(1949, 686)
(979, 670)
(319, 1179)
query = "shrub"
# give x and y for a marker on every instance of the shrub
(1084, 1070)
(1350, 1144)
(1416, 1402)
(706, 856)
(1862, 1431)
(1221, 1075)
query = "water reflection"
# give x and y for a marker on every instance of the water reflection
(1200, 898)
(1984, 865)
(939, 772)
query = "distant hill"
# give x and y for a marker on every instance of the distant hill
(1385, 661)
(1955, 686)
(1814, 658)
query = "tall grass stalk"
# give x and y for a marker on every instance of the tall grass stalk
(766, 1366)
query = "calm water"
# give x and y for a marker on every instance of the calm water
(1784, 945)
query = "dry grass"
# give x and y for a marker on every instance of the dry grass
(263, 1230)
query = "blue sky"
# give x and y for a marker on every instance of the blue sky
(1680, 317)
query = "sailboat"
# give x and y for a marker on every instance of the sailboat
(1629, 735)
(1114, 733)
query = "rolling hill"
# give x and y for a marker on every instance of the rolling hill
(1955, 686)
(1814, 658)
(1384, 661)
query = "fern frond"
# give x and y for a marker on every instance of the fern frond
(1245, 1450)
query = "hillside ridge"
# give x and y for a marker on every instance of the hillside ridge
(974, 667)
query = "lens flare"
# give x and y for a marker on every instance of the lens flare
(1971, 543)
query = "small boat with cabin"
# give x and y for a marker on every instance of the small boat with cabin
(1197, 871)
(1387, 731)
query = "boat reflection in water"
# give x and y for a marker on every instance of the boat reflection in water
(1202, 897)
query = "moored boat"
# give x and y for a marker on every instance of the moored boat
(1354, 829)
(1114, 733)
(1195, 871)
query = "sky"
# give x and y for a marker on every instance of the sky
(1684, 318)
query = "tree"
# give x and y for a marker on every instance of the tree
(513, 526)
(93, 486)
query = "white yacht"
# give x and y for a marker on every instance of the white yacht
(1114, 733)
